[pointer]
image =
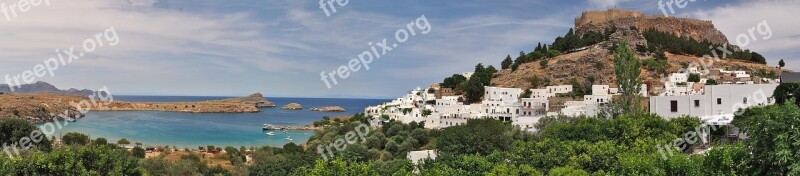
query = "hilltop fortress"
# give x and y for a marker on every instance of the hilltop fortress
(696, 29)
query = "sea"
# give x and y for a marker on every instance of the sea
(191, 130)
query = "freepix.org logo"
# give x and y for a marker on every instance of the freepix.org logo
(11, 11)
(366, 57)
(328, 6)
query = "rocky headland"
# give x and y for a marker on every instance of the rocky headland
(43, 107)
(255, 99)
(246, 104)
(193, 107)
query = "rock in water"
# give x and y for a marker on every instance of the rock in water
(329, 109)
(292, 106)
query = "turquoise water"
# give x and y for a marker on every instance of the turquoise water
(191, 130)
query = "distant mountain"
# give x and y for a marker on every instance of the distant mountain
(43, 87)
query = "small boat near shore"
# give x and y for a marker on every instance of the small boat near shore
(270, 133)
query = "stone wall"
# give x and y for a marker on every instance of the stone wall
(696, 29)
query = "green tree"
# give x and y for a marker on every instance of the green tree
(426, 112)
(567, 171)
(453, 81)
(787, 91)
(773, 138)
(481, 136)
(626, 67)
(100, 141)
(781, 64)
(506, 62)
(75, 139)
(123, 142)
(13, 130)
(711, 82)
(138, 152)
(693, 77)
(473, 90)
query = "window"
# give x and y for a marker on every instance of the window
(719, 101)
(745, 100)
(673, 106)
(696, 103)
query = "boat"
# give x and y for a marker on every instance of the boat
(71, 120)
(289, 138)
(269, 127)
(271, 133)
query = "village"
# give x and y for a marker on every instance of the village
(714, 98)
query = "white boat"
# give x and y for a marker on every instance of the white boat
(71, 120)
(271, 133)
(289, 138)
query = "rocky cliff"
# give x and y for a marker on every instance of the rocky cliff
(696, 29)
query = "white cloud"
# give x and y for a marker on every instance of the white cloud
(604, 4)
(738, 19)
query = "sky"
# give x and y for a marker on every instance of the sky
(279, 48)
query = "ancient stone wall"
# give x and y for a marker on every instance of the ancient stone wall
(696, 29)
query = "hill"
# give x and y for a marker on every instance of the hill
(665, 45)
(43, 87)
(595, 65)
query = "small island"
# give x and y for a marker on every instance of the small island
(255, 99)
(328, 109)
(292, 106)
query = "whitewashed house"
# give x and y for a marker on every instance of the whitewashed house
(716, 100)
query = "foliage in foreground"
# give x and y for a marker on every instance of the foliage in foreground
(626, 145)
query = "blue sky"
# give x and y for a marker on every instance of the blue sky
(279, 48)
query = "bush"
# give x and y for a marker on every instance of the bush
(75, 139)
(12, 130)
(138, 152)
(100, 141)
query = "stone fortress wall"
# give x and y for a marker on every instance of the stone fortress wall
(697, 29)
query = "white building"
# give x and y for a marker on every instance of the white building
(601, 94)
(501, 103)
(715, 100)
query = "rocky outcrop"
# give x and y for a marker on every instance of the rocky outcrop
(40, 107)
(328, 109)
(255, 99)
(598, 21)
(292, 106)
